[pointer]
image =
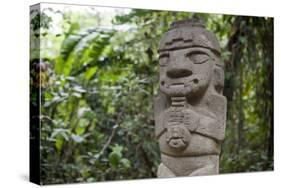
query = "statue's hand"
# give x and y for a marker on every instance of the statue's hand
(191, 119)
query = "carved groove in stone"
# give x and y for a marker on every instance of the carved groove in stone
(190, 110)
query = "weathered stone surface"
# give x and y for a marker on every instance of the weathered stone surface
(190, 110)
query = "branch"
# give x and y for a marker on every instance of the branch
(109, 140)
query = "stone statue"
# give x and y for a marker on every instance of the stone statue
(190, 110)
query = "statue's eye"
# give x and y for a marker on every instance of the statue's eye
(164, 59)
(198, 57)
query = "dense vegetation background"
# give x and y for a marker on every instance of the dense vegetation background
(99, 75)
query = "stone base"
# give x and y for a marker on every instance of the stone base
(188, 166)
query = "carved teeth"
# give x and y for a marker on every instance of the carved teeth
(178, 98)
(177, 86)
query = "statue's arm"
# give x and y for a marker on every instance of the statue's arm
(212, 122)
(209, 122)
(211, 127)
(159, 105)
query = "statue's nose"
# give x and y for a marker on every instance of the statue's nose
(179, 69)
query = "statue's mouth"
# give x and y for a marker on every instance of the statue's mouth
(179, 85)
(176, 85)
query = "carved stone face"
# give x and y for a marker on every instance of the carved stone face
(185, 72)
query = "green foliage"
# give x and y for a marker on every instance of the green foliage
(40, 20)
(97, 118)
(249, 87)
